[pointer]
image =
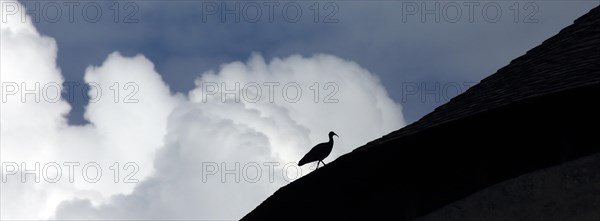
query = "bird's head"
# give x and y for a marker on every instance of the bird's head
(331, 134)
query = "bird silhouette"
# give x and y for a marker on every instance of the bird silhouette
(319, 152)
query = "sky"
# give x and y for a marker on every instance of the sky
(199, 109)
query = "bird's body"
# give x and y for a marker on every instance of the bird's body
(319, 152)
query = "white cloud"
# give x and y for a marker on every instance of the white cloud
(170, 136)
(210, 130)
(37, 131)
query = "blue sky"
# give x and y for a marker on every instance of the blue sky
(386, 37)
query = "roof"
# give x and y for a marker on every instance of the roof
(512, 123)
(570, 59)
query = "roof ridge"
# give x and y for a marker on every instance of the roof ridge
(540, 65)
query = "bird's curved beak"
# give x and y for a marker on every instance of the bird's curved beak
(334, 134)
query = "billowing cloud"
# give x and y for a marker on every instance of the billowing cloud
(255, 118)
(34, 128)
(262, 129)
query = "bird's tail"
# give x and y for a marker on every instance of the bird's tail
(302, 161)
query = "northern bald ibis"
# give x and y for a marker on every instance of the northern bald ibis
(319, 152)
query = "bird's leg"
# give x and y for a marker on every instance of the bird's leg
(317, 165)
(323, 163)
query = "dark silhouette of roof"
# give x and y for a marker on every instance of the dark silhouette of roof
(531, 114)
